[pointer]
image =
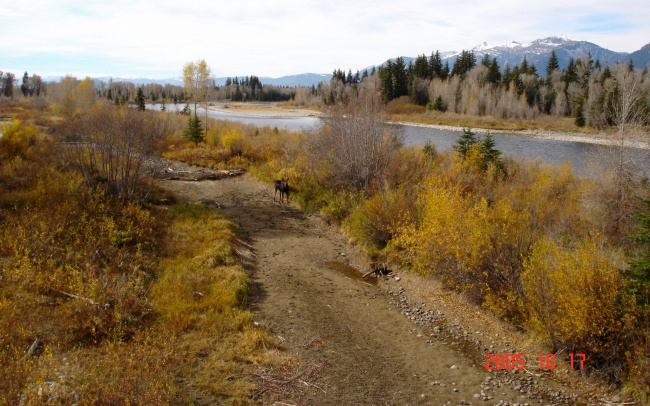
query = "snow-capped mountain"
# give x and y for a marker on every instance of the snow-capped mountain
(537, 52)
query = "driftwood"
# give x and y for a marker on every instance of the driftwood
(70, 295)
(33, 347)
(379, 268)
(197, 175)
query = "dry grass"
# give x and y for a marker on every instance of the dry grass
(107, 302)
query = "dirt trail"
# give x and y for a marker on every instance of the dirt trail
(370, 352)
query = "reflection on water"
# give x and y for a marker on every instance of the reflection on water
(548, 151)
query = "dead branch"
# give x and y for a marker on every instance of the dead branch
(70, 295)
(33, 347)
(197, 175)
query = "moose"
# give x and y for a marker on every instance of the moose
(282, 186)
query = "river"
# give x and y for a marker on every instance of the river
(552, 152)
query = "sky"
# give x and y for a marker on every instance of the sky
(154, 39)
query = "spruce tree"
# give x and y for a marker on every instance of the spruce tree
(435, 65)
(139, 99)
(437, 104)
(494, 73)
(194, 131)
(552, 65)
(465, 142)
(524, 66)
(638, 276)
(491, 154)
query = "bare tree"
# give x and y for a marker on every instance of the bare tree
(355, 142)
(109, 145)
(619, 169)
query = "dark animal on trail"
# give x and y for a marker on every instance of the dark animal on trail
(282, 186)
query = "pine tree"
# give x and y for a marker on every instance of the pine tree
(638, 276)
(524, 66)
(494, 73)
(465, 142)
(24, 88)
(139, 99)
(552, 65)
(400, 78)
(421, 67)
(491, 154)
(435, 65)
(437, 105)
(194, 131)
(444, 74)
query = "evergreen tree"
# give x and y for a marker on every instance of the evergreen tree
(194, 131)
(421, 67)
(552, 65)
(437, 105)
(494, 73)
(607, 73)
(570, 73)
(465, 142)
(579, 111)
(400, 78)
(507, 76)
(464, 63)
(444, 74)
(524, 66)
(139, 99)
(491, 154)
(486, 60)
(24, 87)
(109, 96)
(638, 275)
(597, 64)
(386, 84)
(435, 65)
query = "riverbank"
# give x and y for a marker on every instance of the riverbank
(596, 138)
(263, 110)
(274, 110)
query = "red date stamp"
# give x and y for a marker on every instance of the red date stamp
(518, 361)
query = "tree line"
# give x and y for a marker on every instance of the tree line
(31, 86)
(582, 90)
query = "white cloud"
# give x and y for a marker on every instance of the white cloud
(291, 36)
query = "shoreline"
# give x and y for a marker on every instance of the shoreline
(262, 110)
(600, 139)
(271, 110)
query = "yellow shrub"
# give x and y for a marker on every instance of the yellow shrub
(375, 221)
(233, 142)
(571, 294)
(450, 239)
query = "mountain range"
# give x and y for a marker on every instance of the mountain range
(536, 53)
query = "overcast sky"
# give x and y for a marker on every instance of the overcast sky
(153, 39)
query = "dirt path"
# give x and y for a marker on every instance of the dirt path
(370, 352)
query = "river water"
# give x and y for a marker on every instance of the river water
(551, 152)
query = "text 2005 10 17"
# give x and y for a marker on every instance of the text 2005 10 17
(518, 361)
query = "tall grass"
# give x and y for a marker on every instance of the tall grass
(108, 301)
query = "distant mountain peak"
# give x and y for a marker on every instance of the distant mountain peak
(483, 46)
